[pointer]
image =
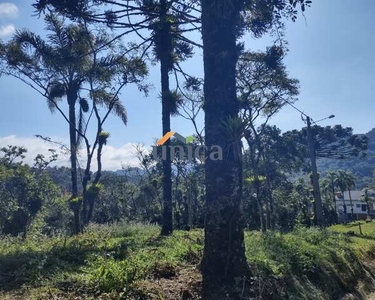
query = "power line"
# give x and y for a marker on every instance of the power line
(305, 115)
(297, 109)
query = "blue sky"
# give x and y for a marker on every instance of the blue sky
(331, 53)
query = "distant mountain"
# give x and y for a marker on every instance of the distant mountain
(361, 168)
(61, 176)
(133, 174)
(133, 171)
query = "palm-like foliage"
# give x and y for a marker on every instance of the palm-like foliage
(343, 181)
(58, 65)
(326, 187)
(329, 185)
(61, 64)
(368, 196)
(161, 25)
(346, 181)
(73, 57)
(56, 68)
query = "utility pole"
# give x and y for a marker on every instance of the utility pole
(315, 178)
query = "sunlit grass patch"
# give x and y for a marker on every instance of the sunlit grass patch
(125, 260)
(367, 228)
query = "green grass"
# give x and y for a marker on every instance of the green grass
(368, 229)
(308, 263)
(129, 262)
(101, 260)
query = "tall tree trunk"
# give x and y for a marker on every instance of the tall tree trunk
(224, 251)
(72, 98)
(190, 196)
(167, 226)
(263, 223)
(268, 217)
(345, 207)
(85, 181)
(334, 199)
(351, 206)
(368, 209)
(270, 196)
(319, 218)
(261, 212)
(98, 175)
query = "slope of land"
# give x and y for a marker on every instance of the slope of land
(362, 168)
(134, 262)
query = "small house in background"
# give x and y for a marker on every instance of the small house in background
(359, 206)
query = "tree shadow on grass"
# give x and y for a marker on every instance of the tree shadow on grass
(28, 266)
(33, 266)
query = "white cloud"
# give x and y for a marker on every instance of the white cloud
(7, 30)
(113, 158)
(34, 147)
(8, 10)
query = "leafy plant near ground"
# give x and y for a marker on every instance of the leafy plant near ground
(307, 263)
(123, 260)
(103, 259)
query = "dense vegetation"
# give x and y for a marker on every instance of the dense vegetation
(122, 259)
(134, 195)
(362, 168)
(130, 261)
(228, 223)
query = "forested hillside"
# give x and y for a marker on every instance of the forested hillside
(362, 168)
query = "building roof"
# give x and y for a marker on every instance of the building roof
(356, 195)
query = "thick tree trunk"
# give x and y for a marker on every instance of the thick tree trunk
(73, 159)
(224, 251)
(167, 226)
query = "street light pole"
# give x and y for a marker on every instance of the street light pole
(315, 178)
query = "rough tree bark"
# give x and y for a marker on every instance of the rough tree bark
(72, 98)
(224, 252)
(167, 226)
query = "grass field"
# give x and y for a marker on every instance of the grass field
(368, 229)
(134, 262)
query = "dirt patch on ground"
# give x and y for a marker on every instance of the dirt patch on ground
(186, 284)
